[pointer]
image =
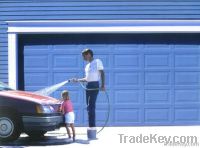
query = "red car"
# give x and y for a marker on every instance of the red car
(22, 111)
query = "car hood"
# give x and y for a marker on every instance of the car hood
(29, 96)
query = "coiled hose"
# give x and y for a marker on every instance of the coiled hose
(108, 103)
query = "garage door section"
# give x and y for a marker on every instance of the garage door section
(150, 82)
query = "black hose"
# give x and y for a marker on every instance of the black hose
(108, 102)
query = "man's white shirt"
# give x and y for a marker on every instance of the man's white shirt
(92, 70)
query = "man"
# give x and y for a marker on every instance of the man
(94, 72)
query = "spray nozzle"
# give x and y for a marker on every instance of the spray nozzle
(70, 80)
(73, 80)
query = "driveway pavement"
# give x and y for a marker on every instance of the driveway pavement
(156, 136)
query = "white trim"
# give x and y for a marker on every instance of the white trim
(105, 26)
(12, 60)
(138, 29)
(89, 26)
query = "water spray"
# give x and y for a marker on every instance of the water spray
(49, 90)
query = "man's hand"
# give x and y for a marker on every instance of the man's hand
(102, 88)
(73, 80)
(78, 80)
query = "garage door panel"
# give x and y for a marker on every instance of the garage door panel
(157, 96)
(126, 61)
(36, 49)
(128, 96)
(157, 60)
(186, 114)
(183, 60)
(126, 78)
(187, 78)
(65, 49)
(37, 61)
(36, 79)
(66, 61)
(159, 115)
(157, 47)
(187, 96)
(186, 47)
(127, 115)
(127, 49)
(157, 78)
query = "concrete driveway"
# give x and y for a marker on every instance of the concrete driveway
(156, 136)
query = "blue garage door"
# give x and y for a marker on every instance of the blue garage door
(151, 79)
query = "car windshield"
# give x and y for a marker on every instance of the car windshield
(3, 86)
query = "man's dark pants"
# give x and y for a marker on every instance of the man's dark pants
(91, 97)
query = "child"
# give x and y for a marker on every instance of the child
(67, 110)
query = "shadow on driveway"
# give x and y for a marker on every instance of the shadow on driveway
(44, 141)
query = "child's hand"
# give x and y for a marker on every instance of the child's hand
(60, 108)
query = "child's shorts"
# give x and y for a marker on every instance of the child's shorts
(69, 117)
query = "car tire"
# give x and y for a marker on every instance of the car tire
(10, 128)
(36, 134)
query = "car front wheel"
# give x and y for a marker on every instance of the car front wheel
(9, 127)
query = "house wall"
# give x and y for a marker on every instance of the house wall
(19, 10)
